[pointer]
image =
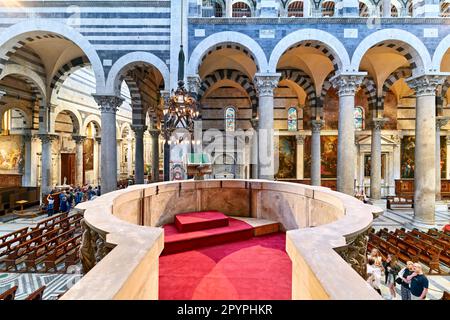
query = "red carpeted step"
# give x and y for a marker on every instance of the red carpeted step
(195, 221)
(175, 241)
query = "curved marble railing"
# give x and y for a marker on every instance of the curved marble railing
(122, 238)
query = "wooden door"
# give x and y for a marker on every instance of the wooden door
(68, 167)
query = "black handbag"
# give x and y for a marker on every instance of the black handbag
(398, 280)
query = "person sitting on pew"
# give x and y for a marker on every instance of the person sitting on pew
(403, 275)
(418, 283)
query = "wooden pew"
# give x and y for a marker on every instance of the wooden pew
(13, 235)
(445, 254)
(404, 200)
(60, 252)
(36, 295)
(9, 294)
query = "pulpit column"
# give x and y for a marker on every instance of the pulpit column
(139, 153)
(155, 154)
(375, 159)
(46, 158)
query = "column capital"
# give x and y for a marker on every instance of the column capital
(154, 133)
(255, 123)
(78, 139)
(108, 103)
(47, 137)
(52, 107)
(265, 83)
(347, 84)
(317, 125)
(441, 121)
(27, 136)
(193, 83)
(138, 129)
(300, 139)
(378, 123)
(98, 139)
(426, 85)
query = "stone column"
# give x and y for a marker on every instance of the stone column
(316, 161)
(46, 165)
(300, 156)
(265, 85)
(440, 122)
(425, 149)
(108, 108)
(79, 159)
(129, 155)
(375, 156)
(228, 8)
(99, 157)
(386, 8)
(447, 140)
(155, 154)
(347, 86)
(119, 156)
(139, 153)
(254, 149)
(26, 179)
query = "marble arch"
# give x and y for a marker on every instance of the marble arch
(74, 115)
(439, 53)
(416, 49)
(225, 37)
(27, 74)
(10, 37)
(97, 122)
(113, 80)
(326, 39)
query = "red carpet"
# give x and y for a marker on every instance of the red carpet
(257, 268)
(194, 221)
(175, 241)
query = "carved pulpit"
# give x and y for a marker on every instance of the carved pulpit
(197, 164)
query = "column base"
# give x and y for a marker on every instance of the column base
(441, 206)
(378, 203)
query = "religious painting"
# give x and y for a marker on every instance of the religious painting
(88, 154)
(11, 156)
(328, 146)
(407, 156)
(443, 157)
(177, 171)
(367, 165)
(285, 149)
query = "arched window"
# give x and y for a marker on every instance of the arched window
(230, 119)
(359, 118)
(241, 9)
(328, 9)
(394, 11)
(410, 8)
(295, 8)
(292, 119)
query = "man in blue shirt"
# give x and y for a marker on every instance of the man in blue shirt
(418, 283)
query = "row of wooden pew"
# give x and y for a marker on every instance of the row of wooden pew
(40, 249)
(432, 248)
(10, 294)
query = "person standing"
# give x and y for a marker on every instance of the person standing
(418, 283)
(391, 269)
(403, 275)
(50, 205)
(373, 275)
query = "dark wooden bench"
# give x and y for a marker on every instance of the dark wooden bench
(36, 295)
(9, 294)
(404, 200)
(13, 235)
(61, 252)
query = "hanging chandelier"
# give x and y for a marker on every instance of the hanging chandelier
(181, 110)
